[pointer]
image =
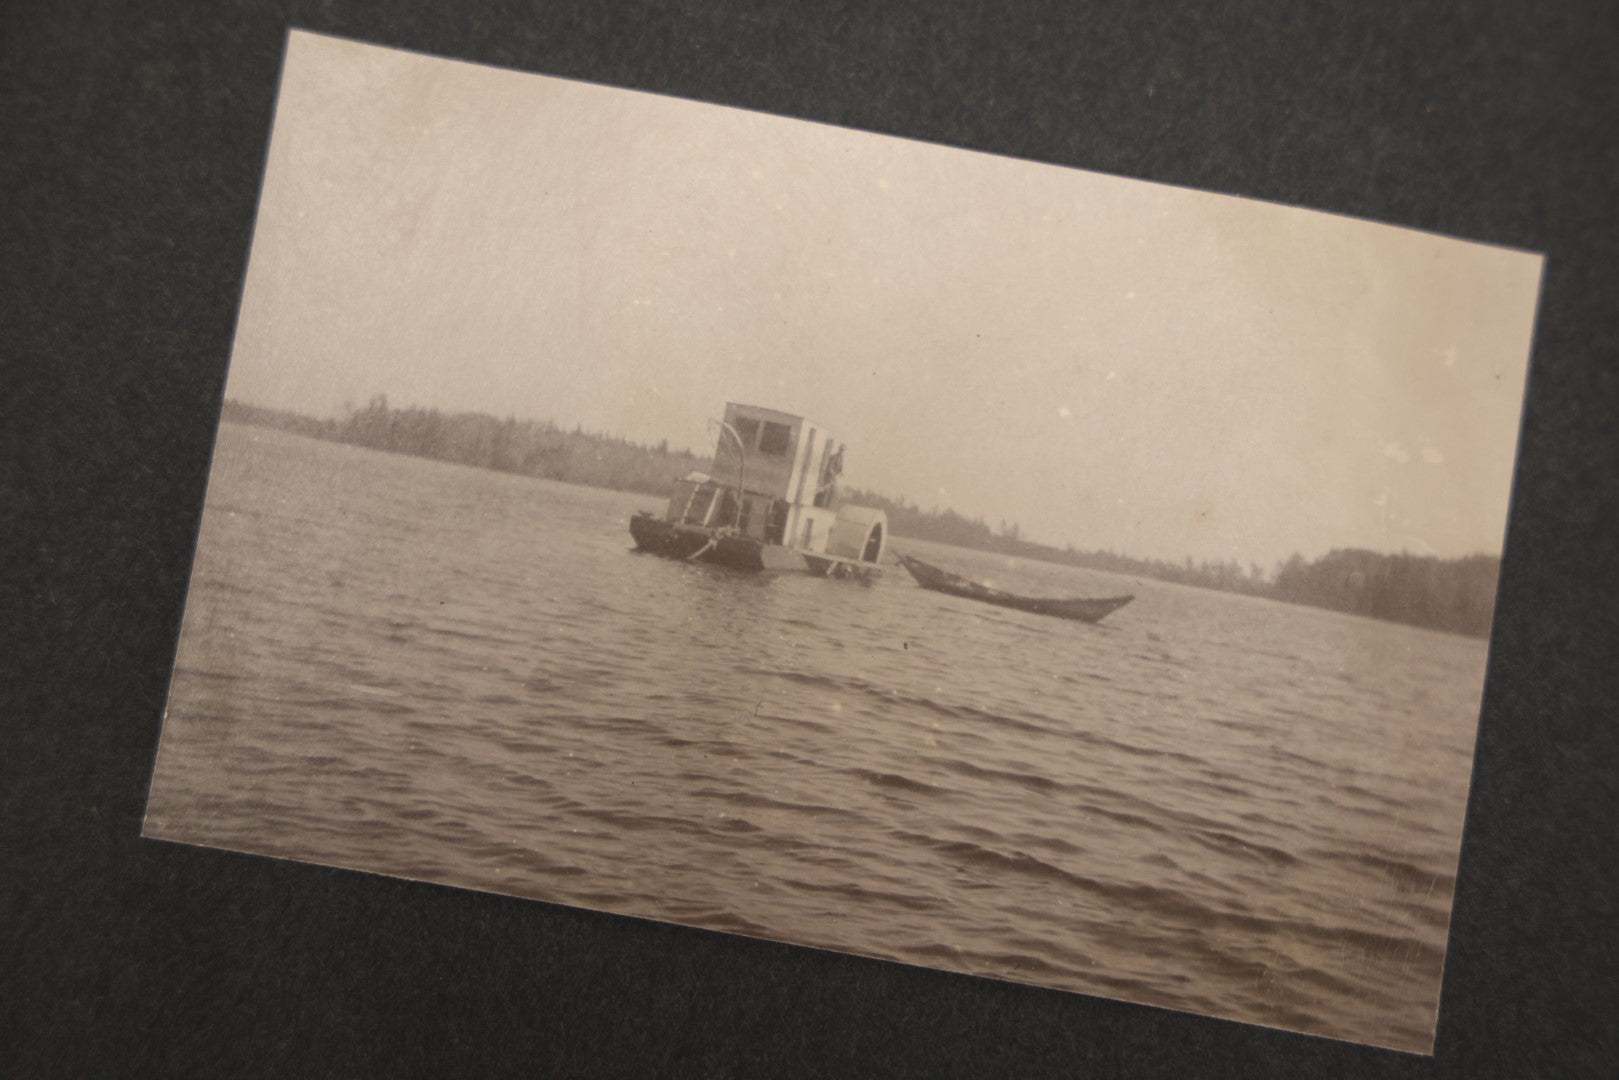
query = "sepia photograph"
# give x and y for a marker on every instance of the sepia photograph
(773, 528)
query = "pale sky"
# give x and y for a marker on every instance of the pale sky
(1107, 362)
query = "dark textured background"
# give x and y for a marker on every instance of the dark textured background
(131, 139)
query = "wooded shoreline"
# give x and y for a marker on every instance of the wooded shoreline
(1455, 595)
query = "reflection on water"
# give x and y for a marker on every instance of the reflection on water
(1208, 802)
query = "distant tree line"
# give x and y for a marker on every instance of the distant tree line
(529, 447)
(1457, 595)
(1442, 594)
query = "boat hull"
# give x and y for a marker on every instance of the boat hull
(1079, 610)
(723, 547)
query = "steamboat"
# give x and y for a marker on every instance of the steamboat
(776, 507)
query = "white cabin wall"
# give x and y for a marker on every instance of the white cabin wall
(824, 521)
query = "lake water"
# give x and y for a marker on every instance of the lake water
(1207, 802)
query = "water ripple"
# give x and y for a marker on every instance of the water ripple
(1208, 803)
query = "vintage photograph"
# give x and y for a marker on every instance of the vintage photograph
(774, 528)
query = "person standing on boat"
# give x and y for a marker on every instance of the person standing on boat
(829, 477)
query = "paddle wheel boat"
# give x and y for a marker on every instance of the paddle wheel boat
(775, 507)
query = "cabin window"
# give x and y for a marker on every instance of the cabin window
(727, 510)
(775, 438)
(776, 522)
(697, 510)
(748, 430)
(745, 516)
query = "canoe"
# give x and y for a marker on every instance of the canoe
(1084, 610)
